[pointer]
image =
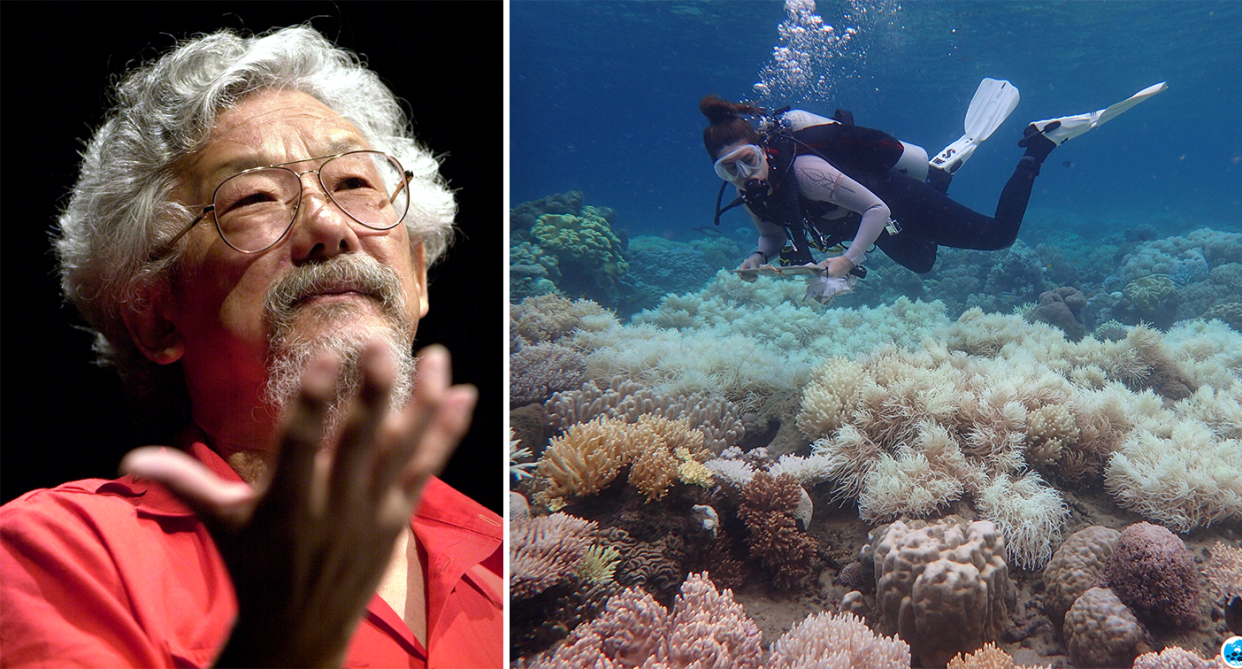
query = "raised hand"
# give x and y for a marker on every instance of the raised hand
(307, 548)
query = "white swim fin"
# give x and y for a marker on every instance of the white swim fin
(994, 100)
(1061, 130)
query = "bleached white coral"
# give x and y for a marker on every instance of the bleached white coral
(1029, 513)
(905, 484)
(1187, 480)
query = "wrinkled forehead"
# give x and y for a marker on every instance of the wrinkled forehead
(268, 128)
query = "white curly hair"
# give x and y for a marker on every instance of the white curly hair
(121, 213)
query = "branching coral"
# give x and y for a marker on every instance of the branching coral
(706, 628)
(988, 657)
(590, 455)
(1173, 658)
(942, 586)
(1224, 571)
(837, 641)
(545, 550)
(768, 507)
(715, 417)
(535, 372)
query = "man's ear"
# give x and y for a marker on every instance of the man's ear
(419, 259)
(153, 332)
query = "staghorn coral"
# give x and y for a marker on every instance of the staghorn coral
(768, 507)
(940, 586)
(1075, 567)
(1173, 658)
(546, 550)
(1224, 571)
(1153, 573)
(837, 641)
(705, 628)
(988, 657)
(1184, 480)
(1100, 631)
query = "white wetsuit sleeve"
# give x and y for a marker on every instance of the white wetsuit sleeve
(819, 180)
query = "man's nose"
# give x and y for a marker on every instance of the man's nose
(321, 229)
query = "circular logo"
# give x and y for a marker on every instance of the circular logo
(1231, 652)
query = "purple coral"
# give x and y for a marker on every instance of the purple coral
(1153, 573)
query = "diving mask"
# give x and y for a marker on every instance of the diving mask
(742, 162)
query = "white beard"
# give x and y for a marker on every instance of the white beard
(289, 353)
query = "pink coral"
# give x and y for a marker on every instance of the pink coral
(706, 628)
(546, 550)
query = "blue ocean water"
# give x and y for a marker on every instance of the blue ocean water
(604, 99)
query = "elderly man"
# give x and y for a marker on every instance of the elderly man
(250, 237)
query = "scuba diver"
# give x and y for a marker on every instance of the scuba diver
(812, 182)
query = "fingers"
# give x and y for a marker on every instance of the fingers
(426, 432)
(304, 430)
(213, 498)
(355, 451)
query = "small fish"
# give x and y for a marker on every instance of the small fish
(709, 231)
(1067, 163)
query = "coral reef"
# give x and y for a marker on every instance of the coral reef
(590, 455)
(546, 550)
(1151, 571)
(1224, 571)
(588, 253)
(988, 657)
(1185, 478)
(1075, 567)
(535, 372)
(789, 555)
(1101, 632)
(1173, 658)
(1062, 308)
(705, 628)
(940, 586)
(716, 418)
(837, 641)
(548, 318)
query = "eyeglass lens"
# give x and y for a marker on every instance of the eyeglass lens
(255, 208)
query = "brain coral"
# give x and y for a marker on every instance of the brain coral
(1154, 574)
(941, 586)
(1101, 632)
(1075, 568)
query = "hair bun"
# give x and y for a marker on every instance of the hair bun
(717, 109)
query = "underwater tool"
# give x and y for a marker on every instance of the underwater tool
(1061, 130)
(819, 286)
(994, 100)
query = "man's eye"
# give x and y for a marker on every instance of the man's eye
(251, 199)
(350, 183)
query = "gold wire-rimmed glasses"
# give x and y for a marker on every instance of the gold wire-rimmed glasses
(255, 208)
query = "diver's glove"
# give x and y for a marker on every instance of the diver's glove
(1037, 145)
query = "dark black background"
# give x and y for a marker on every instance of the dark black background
(63, 418)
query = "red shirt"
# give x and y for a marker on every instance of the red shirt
(120, 573)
